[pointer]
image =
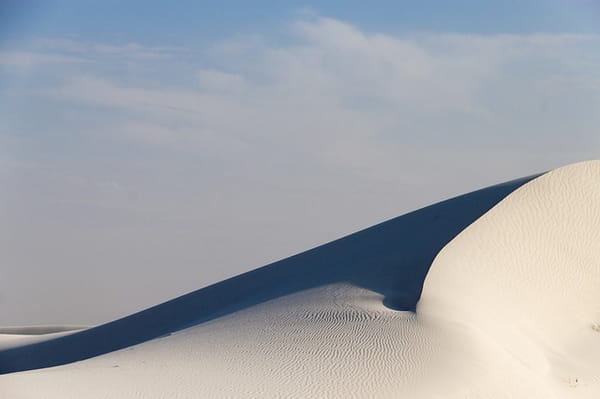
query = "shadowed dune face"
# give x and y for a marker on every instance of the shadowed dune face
(390, 259)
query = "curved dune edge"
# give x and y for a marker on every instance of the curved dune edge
(38, 330)
(508, 310)
(17, 336)
(525, 278)
(390, 260)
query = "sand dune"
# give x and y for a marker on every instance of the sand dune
(509, 308)
(18, 337)
(390, 259)
(38, 330)
(526, 277)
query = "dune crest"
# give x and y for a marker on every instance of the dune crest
(510, 308)
(526, 276)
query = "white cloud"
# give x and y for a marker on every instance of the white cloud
(348, 98)
(90, 49)
(210, 79)
(44, 52)
(29, 59)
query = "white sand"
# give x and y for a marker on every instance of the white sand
(526, 277)
(509, 310)
(12, 337)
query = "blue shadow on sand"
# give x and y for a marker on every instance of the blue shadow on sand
(391, 258)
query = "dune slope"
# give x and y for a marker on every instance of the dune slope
(526, 277)
(509, 309)
(390, 259)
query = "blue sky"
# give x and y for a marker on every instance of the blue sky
(189, 21)
(148, 149)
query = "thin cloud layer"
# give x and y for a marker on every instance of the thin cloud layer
(218, 159)
(339, 85)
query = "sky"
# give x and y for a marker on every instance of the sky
(149, 149)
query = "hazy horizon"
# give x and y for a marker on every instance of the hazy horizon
(148, 150)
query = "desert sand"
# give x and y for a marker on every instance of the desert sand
(16, 337)
(495, 294)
